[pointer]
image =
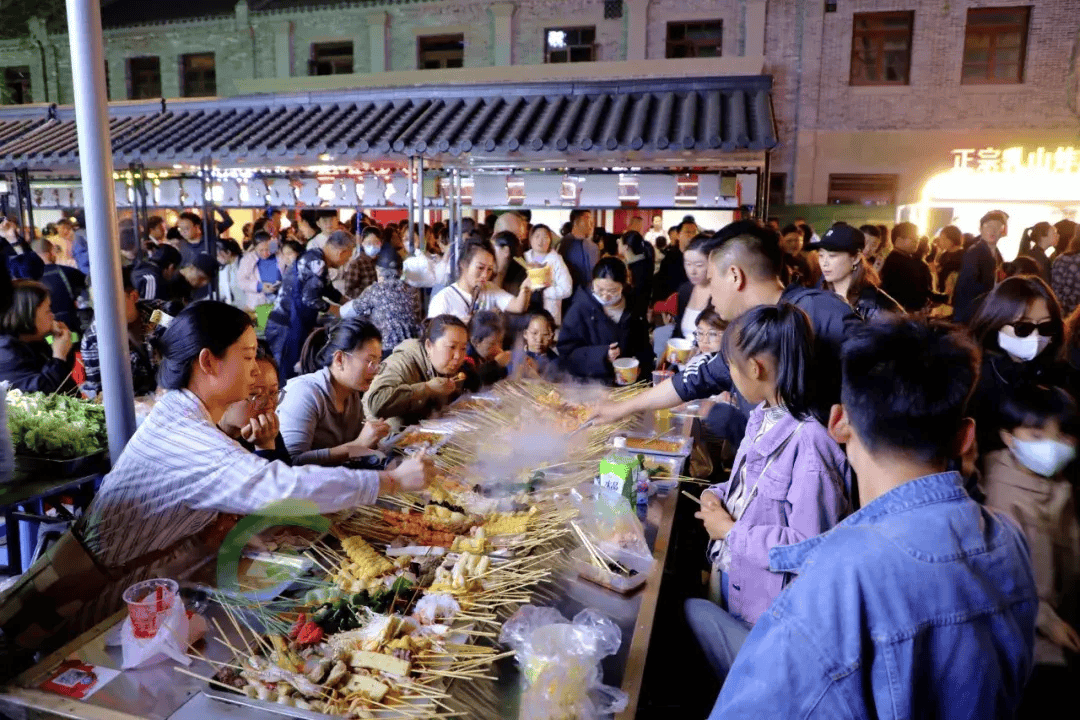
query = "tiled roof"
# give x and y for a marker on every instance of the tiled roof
(542, 121)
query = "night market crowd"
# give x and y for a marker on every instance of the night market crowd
(892, 528)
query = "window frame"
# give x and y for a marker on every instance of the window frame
(692, 45)
(334, 61)
(849, 195)
(444, 61)
(185, 91)
(131, 77)
(992, 32)
(878, 36)
(23, 82)
(593, 47)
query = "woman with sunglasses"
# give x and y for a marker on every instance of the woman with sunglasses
(322, 413)
(1021, 331)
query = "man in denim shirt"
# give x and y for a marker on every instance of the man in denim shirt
(922, 603)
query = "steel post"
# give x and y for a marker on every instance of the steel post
(96, 163)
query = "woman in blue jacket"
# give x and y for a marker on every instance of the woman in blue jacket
(602, 327)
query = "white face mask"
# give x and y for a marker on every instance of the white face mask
(371, 250)
(1027, 348)
(1043, 457)
(607, 302)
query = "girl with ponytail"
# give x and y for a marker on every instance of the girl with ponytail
(1036, 242)
(789, 482)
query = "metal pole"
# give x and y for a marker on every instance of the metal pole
(458, 240)
(96, 163)
(420, 200)
(412, 214)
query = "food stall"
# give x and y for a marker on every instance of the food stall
(419, 596)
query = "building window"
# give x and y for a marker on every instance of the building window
(573, 44)
(333, 58)
(777, 189)
(198, 76)
(435, 52)
(144, 78)
(881, 48)
(16, 89)
(699, 38)
(867, 189)
(995, 44)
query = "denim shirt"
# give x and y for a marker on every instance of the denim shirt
(796, 480)
(921, 604)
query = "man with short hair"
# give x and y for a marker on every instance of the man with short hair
(656, 231)
(921, 604)
(745, 272)
(579, 250)
(980, 266)
(904, 277)
(360, 273)
(512, 222)
(155, 229)
(672, 273)
(65, 285)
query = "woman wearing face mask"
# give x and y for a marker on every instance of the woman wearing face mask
(1025, 480)
(420, 376)
(1020, 329)
(322, 413)
(601, 327)
(474, 290)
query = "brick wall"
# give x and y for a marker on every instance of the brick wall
(533, 18)
(663, 11)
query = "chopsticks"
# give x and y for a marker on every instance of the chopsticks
(697, 500)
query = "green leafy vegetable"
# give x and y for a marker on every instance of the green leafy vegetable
(55, 426)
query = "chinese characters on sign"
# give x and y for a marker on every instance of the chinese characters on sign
(1017, 159)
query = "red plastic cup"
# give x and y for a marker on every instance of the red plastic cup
(148, 603)
(659, 376)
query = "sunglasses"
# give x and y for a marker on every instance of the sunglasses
(1047, 328)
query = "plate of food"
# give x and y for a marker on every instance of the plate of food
(657, 445)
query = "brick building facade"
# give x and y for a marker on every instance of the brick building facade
(840, 136)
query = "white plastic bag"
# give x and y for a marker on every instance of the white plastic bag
(171, 640)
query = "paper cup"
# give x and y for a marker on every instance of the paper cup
(540, 277)
(659, 376)
(679, 350)
(148, 603)
(626, 371)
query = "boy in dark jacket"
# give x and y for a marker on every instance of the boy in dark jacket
(979, 268)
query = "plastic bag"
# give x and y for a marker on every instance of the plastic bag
(607, 518)
(560, 661)
(170, 641)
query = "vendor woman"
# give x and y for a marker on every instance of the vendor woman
(322, 414)
(421, 376)
(177, 473)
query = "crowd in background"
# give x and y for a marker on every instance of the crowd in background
(804, 345)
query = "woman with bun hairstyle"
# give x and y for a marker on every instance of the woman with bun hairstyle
(322, 413)
(176, 475)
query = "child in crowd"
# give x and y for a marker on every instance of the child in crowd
(920, 604)
(486, 356)
(1025, 481)
(539, 339)
(291, 251)
(787, 485)
(708, 337)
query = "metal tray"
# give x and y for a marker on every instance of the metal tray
(683, 444)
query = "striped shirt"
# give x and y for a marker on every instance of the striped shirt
(179, 471)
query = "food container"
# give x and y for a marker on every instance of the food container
(618, 582)
(148, 604)
(626, 371)
(645, 444)
(540, 277)
(679, 350)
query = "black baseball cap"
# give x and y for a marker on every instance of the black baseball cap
(841, 237)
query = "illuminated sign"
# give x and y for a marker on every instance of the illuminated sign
(1063, 160)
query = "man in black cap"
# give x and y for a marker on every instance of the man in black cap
(844, 270)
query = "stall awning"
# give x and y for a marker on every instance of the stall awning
(634, 119)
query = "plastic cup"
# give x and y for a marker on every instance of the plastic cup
(148, 603)
(659, 376)
(679, 350)
(626, 370)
